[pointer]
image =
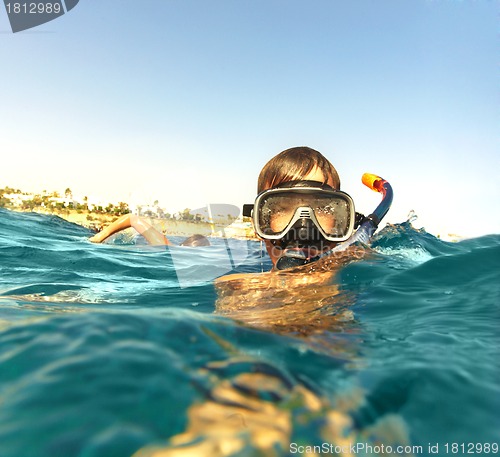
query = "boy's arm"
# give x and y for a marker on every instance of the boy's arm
(152, 235)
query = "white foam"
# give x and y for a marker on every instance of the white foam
(416, 255)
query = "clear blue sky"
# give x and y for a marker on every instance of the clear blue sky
(185, 101)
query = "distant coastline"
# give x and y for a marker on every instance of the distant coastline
(97, 215)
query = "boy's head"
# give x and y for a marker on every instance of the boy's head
(195, 241)
(297, 164)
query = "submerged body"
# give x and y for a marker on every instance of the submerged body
(299, 300)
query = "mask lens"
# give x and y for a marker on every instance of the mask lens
(277, 211)
(333, 216)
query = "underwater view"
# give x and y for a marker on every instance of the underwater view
(124, 349)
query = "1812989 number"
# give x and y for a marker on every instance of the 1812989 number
(33, 8)
(471, 448)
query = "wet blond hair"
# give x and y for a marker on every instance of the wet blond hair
(292, 165)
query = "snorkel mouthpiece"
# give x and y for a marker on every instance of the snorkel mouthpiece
(302, 239)
(291, 259)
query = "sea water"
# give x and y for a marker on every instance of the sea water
(109, 350)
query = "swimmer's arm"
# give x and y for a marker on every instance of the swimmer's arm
(152, 235)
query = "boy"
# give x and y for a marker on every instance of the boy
(299, 210)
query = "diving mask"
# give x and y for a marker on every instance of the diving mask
(303, 211)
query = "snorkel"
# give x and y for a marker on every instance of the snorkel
(365, 230)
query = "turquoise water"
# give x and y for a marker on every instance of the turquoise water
(103, 353)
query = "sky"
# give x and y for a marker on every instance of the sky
(185, 101)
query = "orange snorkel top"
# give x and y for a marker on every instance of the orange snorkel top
(374, 182)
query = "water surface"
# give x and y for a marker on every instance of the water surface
(107, 350)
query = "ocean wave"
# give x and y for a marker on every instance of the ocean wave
(104, 349)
